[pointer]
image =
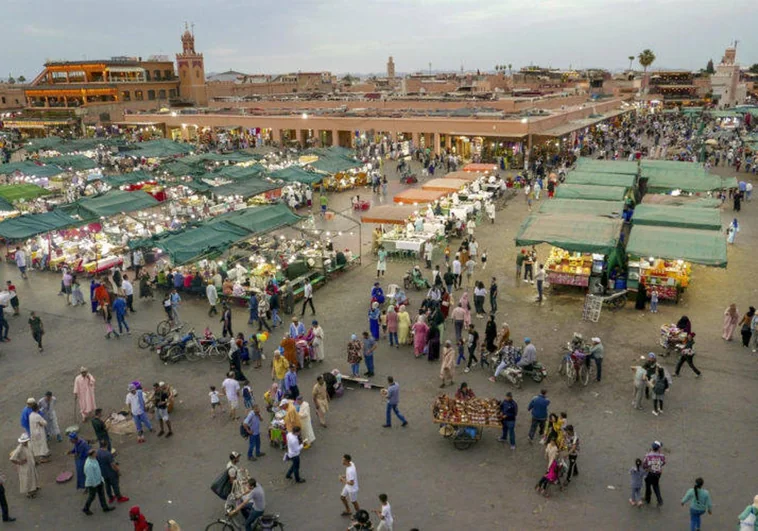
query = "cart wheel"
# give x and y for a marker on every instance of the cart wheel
(145, 340)
(570, 374)
(463, 443)
(164, 327)
(584, 374)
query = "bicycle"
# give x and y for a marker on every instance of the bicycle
(266, 522)
(575, 369)
(167, 326)
(150, 340)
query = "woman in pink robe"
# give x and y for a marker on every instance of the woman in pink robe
(731, 318)
(420, 331)
(84, 392)
(466, 306)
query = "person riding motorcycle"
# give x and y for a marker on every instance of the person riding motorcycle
(529, 356)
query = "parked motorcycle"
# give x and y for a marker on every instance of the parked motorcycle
(512, 372)
(186, 346)
(415, 278)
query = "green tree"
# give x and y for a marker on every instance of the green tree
(21, 79)
(709, 67)
(11, 80)
(753, 69)
(646, 58)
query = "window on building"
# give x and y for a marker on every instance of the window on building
(126, 95)
(147, 75)
(168, 74)
(172, 93)
(156, 75)
(197, 74)
(151, 95)
(161, 94)
(138, 96)
(4, 99)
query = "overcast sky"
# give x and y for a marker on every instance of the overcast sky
(357, 35)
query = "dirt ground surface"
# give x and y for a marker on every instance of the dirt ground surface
(431, 485)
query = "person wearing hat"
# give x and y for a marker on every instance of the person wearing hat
(654, 462)
(38, 435)
(508, 411)
(94, 484)
(749, 516)
(138, 519)
(23, 458)
(135, 399)
(596, 353)
(47, 410)
(79, 451)
(84, 392)
(529, 356)
(26, 412)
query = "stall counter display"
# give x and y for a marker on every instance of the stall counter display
(473, 412)
(668, 277)
(568, 269)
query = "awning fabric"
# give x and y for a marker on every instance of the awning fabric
(582, 206)
(19, 192)
(663, 181)
(54, 143)
(572, 232)
(416, 195)
(707, 247)
(592, 192)
(394, 214)
(28, 167)
(476, 167)
(444, 185)
(464, 175)
(606, 166)
(245, 188)
(260, 219)
(193, 243)
(129, 178)
(110, 204)
(677, 216)
(74, 162)
(681, 200)
(24, 227)
(157, 149)
(601, 179)
(236, 172)
(335, 164)
(296, 174)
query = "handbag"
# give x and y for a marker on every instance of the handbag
(749, 522)
(222, 485)
(243, 432)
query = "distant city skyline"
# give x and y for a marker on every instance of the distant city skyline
(342, 37)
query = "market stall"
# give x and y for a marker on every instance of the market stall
(463, 421)
(445, 185)
(464, 175)
(607, 166)
(582, 206)
(660, 257)
(602, 179)
(389, 214)
(584, 245)
(296, 174)
(592, 192)
(681, 200)
(480, 168)
(415, 196)
(677, 216)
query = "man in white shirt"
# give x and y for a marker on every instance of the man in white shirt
(350, 482)
(294, 447)
(135, 399)
(128, 293)
(457, 270)
(232, 389)
(20, 257)
(385, 514)
(307, 297)
(212, 293)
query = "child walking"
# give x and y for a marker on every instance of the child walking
(215, 402)
(247, 394)
(659, 389)
(461, 355)
(654, 301)
(637, 474)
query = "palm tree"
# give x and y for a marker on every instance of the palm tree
(510, 69)
(631, 60)
(646, 58)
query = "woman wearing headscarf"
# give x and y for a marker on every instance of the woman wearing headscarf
(373, 320)
(745, 329)
(490, 334)
(304, 412)
(355, 355)
(731, 318)
(291, 418)
(447, 369)
(463, 303)
(504, 337)
(684, 324)
(420, 331)
(93, 285)
(138, 519)
(403, 326)
(235, 362)
(433, 343)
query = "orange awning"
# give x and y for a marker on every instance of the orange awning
(480, 167)
(395, 214)
(416, 195)
(463, 175)
(445, 185)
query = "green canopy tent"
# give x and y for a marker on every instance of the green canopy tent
(24, 227)
(193, 243)
(601, 179)
(245, 189)
(582, 206)
(160, 148)
(677, 216)
(591, 192)
(335, 164)
(235, 172)
(296, 174)
(21, 192)
(29, 168)
(707, 247)
(681, 200)
(129, 178)
(5, 206)
(607, 166)
(671, 165)
(666, 181)
(71, 162)
(235, 157)
(110, 204)
(332, 151)
(572, 232)
(261, 219)
(179, 168)
(64, 145)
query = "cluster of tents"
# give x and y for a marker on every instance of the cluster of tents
(667, 222)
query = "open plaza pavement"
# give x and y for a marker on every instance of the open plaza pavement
(708, 428)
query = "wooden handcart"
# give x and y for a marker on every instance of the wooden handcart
(463, 436)
(465, 429)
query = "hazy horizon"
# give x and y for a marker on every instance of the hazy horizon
(262, 36)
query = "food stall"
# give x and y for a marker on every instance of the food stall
(480, 168)
(660, 257)
(445, 185)
(585, 245)
(463, 421)
(464, 175)
(416, 196)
